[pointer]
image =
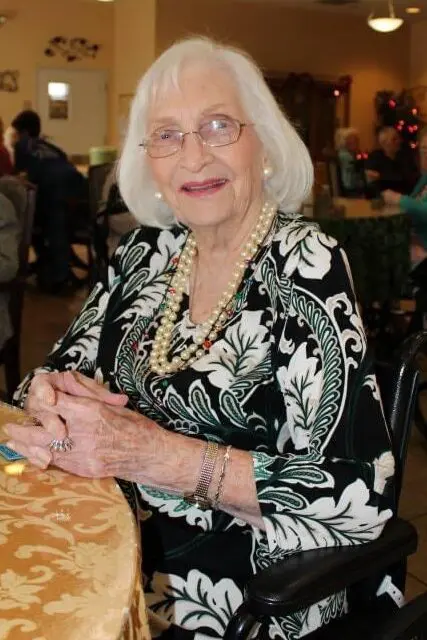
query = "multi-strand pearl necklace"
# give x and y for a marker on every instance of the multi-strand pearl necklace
(207, 332)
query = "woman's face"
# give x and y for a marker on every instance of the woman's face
(206, 186)
(352, 143)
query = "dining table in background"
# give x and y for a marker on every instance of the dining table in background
(69, 555)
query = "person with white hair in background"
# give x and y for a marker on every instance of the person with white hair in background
(391, 166)
(350, 162)
(221, 371)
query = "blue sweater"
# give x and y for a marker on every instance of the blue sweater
(416, 208)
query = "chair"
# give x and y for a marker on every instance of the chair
(307, 577)
(98, 175)
(11, 351)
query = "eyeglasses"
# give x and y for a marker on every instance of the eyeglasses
(218, 132)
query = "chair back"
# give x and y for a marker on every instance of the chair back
(398, 382)
(334, 177)
(97, 177)
(10, 353)
(17, 286)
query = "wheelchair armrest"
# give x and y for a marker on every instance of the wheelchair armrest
(304, 578)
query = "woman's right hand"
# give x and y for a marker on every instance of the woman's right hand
(41, 400)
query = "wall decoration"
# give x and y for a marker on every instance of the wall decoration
(71, 48)
(59, 100)
(9, 81)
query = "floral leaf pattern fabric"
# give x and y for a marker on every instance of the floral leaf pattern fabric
(288, 380)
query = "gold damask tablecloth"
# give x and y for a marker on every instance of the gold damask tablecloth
(69, 556)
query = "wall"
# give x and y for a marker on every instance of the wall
(418, 54)
(24, 39)
(285, 39)
(418, 78)
(134, 38)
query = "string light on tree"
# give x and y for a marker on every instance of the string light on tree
(399, 110)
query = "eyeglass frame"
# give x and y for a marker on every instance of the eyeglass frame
(182, 135)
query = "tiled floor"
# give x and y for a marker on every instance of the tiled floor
(46, 317)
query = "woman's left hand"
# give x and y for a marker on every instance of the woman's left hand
(391, 197)
(108, 441)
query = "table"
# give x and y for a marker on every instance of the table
(377, 244)
(69, 556)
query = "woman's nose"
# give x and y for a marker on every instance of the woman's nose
(194, 153)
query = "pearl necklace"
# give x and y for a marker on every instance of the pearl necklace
(206, 332)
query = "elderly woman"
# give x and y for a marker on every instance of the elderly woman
(350, 163)
(229, 328)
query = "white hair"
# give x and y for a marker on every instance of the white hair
(342, 135)
(292, 170)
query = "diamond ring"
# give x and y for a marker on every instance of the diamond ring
(62, 446)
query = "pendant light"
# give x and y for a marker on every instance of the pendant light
(387, 24)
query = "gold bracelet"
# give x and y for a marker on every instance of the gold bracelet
(199, 497)
(221, 477)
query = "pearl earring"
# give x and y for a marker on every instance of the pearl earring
(268, 172)
(158, 195)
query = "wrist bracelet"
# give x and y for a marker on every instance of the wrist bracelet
(200, 496)
(221, 477)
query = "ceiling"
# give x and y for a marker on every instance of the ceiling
(356, 6)
(362, 7)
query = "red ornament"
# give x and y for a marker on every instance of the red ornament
(391, 104)
(172, 290)
(175, 260)
(207, 344)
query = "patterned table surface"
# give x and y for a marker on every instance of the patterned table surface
(69, 556)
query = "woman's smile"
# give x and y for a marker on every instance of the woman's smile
(203, 188)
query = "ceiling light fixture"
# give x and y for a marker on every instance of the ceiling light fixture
(413, 10)
(387, 24)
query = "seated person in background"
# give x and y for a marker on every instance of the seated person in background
(10, 138)
(391, 166)
(6, 166)
(350, 163)
(415, 205)
(230, 329)
(57, 181)
(10, 235)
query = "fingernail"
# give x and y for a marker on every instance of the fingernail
(6, 430)
(10, 444)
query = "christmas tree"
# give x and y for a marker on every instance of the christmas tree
(400, 111)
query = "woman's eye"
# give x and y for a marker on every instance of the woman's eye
(165, 135)
(218, 125)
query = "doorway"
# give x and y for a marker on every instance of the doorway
(73, 108)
